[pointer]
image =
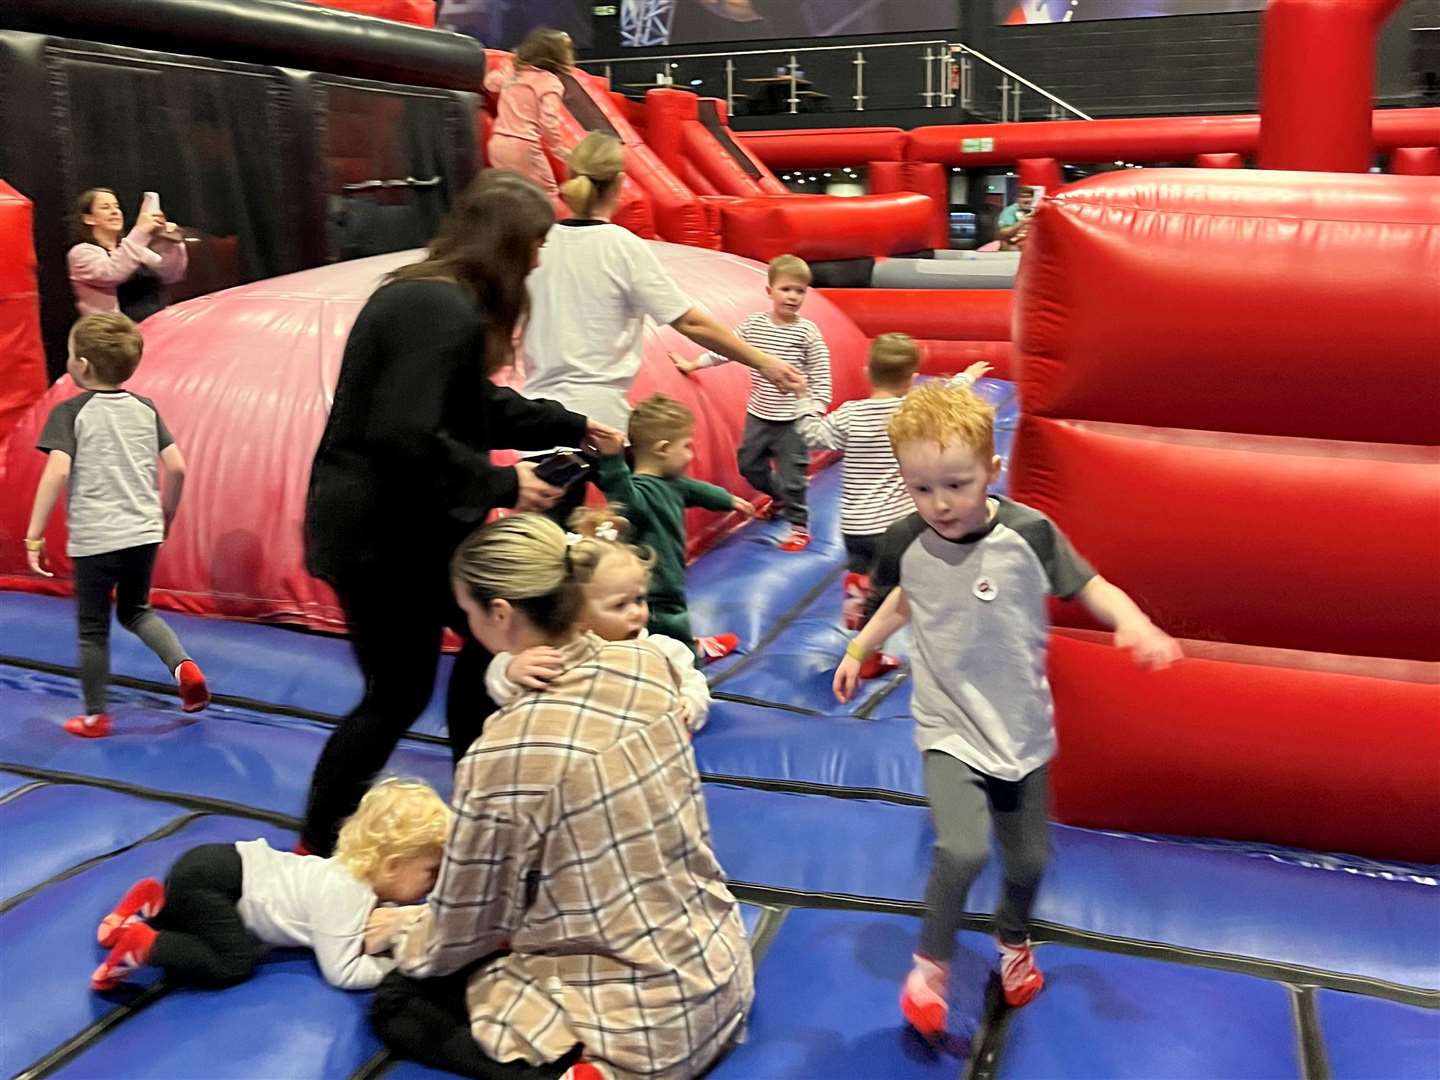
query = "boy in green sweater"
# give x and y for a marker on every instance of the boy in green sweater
(655, 496)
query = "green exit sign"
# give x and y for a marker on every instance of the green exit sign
(604, 9)
(977, 146)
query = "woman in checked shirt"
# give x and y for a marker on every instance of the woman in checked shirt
(581, 925)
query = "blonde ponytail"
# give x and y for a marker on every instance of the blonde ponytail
(527, 560)
(596, 165)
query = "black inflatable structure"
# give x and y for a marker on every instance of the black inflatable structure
(283, 135)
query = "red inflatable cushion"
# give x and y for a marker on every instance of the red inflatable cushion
(956, 315)
(1154, 297)
(1241, 745)
(1289, 543)
(820, 229)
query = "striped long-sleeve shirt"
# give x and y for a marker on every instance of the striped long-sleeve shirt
(872, 494)
(581, 846)
(799, 344)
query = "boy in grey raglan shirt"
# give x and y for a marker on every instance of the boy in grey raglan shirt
(103, 445)
(971, 573)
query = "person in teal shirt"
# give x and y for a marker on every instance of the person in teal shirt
(655, 495)
(1014, 220)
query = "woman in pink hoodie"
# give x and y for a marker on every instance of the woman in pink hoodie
(527, 122)
(112, 270)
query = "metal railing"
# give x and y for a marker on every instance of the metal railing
(939, 73)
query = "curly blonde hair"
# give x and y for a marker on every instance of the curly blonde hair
(397, 818)
(944, 414)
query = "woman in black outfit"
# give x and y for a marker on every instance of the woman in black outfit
(403, 474)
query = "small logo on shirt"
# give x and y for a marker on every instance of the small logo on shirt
(984, 589)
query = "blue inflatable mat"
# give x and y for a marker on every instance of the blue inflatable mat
(1366, 1038)
(58, 826)
(12, 782)
(287, 1022)
(817, 844)
(835, 751)
(745, 585)
(826, 1003)
(313, 673)
(1218, 899)
(225, 753)
(797, 666)
(47, 942)
(1102, 1015)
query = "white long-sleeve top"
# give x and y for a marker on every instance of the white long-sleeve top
(96, 273)
(693, 688)
(303, 900)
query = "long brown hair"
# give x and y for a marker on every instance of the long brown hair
(486, 244)
(80, 233)
(546, 49)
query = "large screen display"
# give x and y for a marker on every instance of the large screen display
(679, 22)
(1023, 12)
(500, 24)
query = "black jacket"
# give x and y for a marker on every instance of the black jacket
(403, 470)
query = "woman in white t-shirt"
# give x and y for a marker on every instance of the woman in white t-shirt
(589, 298)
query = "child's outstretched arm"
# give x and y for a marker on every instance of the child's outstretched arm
(888, 618)
(1151, 648)
(822, 432)
(174, 485)
(511, 674)
(47, 494)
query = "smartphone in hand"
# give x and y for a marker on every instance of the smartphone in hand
(150, 202)
(563, 468)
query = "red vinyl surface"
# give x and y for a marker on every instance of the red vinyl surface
(1298, 304)
(1258, 540)
(1244, 748)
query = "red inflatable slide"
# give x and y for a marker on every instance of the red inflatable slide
(701, 188)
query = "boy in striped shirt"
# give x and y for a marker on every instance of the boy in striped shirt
(772, 456)
(873, 496)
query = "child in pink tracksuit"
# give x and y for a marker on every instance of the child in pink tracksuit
(527, 122)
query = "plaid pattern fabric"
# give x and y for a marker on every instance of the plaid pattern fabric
(581, 845)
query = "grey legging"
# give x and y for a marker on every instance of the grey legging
(964, 803)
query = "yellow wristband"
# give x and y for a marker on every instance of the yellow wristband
(855, 652)
(34, 545)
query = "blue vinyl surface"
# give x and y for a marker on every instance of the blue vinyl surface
(286, 1021)
(774, 581)
(817, 844)
(58, 826)
(796, 668)
(826, 1002)
(1367, 1039)
(1102, 1015)
(838, 751)
(280, 666)
(1117, 885)
(11, 782)
(226, 753)
(47, 943)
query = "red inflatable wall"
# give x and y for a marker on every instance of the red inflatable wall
(953, 315)
(1286, 502)
(1248, 744)
(923, 178)
(1315, 293)
(244, 380)
(22, 357)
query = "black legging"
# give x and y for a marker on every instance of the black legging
(396, 621)
(428, 1020)
(200, 937)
